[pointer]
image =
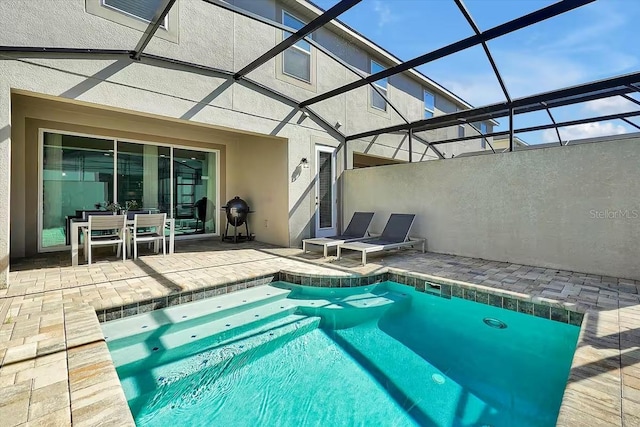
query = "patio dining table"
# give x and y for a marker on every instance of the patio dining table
(75, 234)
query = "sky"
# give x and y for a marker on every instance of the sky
(596, 41)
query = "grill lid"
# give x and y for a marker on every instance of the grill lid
(237, 211)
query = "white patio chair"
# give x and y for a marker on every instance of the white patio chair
(115, 225)
(154, 223)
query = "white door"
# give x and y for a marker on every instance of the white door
(325, 191)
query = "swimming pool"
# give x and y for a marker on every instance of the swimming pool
(384, 354)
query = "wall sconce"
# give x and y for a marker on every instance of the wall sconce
(304, 163)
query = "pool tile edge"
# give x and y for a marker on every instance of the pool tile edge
(448, 288)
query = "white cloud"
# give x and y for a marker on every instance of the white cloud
(610, 106)
(599, 20)
(539, 61)
(583, 131)
(523, 75)
(478, 89)
(385, 15)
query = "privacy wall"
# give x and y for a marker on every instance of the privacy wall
(573, 208)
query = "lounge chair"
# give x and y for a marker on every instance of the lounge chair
(394, 235)
(355, 231)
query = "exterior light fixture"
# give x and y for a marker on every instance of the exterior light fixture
(304, 163)
(338, 125)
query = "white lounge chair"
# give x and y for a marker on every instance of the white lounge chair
(395, 235)
(355, 231)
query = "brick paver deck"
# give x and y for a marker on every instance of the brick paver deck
(56, 369)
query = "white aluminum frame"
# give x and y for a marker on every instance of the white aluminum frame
(306, 52)
(382, 88)
(424, 104)
(334, 197)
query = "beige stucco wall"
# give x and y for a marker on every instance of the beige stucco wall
(31, 113)
(176, 94)
(257, 172)
(574, 207)
(5, 179)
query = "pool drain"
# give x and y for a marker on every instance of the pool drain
(438, 379)
(494, 323)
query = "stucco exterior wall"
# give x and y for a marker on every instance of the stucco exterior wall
(5, 180)
(574, 207)
(218, 38)
(253, 167)
(257, 172)
(180, 95)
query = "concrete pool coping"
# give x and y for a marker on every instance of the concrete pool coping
(56, 368)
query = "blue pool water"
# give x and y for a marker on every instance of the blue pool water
(386, 355)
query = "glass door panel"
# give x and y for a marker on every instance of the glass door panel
(325, 192)
(194, 193)
(80, 174)
(144, 177)
(77, 175)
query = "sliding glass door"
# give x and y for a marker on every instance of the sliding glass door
(84, 173)
(77, 175)
(194, 191)
(144, 177)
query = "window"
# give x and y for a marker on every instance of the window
(296, 61)
(483, 131)
(378, 101)
(429, 104)
(141, 9)
(137, 14)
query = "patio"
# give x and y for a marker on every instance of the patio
(56, 367)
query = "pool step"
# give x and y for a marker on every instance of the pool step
(135, 328)
(206, 367)
(344, 311)
(164, 344)
(365, 300)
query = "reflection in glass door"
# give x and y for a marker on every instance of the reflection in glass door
(144, 177)
(194, 194)
(325, 192)
(77, 175)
